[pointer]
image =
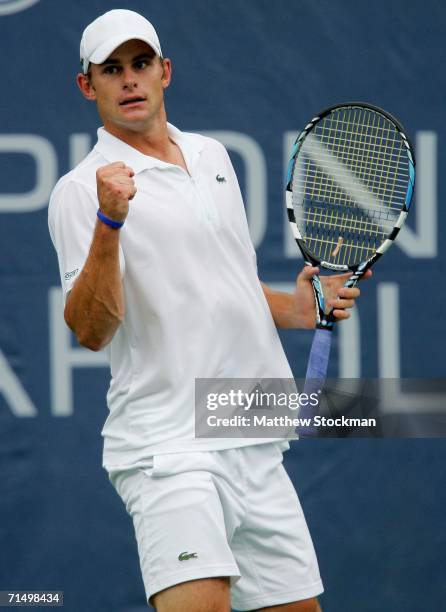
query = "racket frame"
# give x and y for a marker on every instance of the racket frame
(324, 320)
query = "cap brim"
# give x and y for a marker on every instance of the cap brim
(107, 48)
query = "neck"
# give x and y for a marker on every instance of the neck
(151, 140)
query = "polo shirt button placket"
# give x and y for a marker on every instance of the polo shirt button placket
(204, 206)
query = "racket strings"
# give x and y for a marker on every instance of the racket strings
(354, 160)
(364, 145)
(342, 238)
(328, 183)
(349, 184)
(341, 252)
(324, 190)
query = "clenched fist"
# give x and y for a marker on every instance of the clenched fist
(116, 187)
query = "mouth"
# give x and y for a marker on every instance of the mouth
(132, 101)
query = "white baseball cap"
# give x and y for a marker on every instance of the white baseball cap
(103, 35)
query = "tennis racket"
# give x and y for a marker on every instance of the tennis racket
(349, 187)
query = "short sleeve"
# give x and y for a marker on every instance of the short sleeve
(72, 220)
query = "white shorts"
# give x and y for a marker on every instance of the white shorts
(228, 513)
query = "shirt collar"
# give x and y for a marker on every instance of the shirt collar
(114, 149)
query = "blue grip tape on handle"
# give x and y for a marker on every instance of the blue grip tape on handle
(315, 378)
(319, 355)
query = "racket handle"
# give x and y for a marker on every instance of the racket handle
(319, 356)
(315, 378)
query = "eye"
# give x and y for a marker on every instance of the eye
(141, 64)
(111, 69)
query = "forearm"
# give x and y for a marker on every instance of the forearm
(283, 309)
(95, 305)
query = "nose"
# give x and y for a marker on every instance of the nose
(129, 78)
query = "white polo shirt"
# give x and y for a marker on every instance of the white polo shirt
(194, 306)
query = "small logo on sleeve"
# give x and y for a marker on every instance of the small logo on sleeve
(69, 275)
(220, 178)
(185, 556)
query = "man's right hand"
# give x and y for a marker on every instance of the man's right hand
(115, 187)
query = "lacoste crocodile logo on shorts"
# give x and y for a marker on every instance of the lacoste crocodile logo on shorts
(184, 556)
(220, 179)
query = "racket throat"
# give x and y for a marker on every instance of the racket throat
(326, 323)
(323, 320)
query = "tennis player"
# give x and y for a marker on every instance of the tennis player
(158, 268)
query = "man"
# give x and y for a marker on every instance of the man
(158, 268)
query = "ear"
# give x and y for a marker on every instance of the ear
(167, 73)
(86, 87)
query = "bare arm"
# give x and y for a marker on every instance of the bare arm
(281, 306)
(298, 310)
(95, 306)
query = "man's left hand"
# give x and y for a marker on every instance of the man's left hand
(338, 297)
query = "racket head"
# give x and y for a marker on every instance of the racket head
(350, 183)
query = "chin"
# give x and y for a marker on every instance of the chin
(132, 115)
(135, 124)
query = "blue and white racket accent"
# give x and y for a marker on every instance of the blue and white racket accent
(349, 187)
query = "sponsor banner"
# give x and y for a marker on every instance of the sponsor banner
(7, 7)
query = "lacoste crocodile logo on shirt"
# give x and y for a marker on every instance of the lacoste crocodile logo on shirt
(220, 178)
(184, 556)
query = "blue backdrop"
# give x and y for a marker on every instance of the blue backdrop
(251, 72)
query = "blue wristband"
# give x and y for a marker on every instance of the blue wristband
(109, 222)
